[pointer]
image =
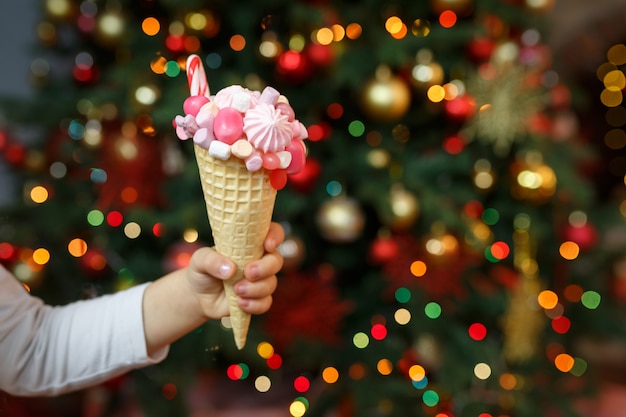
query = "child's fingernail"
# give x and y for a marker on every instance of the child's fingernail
(253, 271)
(225, 270)
(242, 302)
(240, 288)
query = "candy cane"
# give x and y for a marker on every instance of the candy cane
(196, 77)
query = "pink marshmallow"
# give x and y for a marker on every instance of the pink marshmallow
(269, 95)
(254, 162)
(203, 137)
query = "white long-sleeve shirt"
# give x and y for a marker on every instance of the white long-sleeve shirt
(47, 350)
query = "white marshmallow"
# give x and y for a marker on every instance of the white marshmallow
(219, 150)
(285, 159)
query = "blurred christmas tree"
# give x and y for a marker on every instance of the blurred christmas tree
(446, 253)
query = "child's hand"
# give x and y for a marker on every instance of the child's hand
(208, 268)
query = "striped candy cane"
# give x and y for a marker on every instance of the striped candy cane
(196, 77)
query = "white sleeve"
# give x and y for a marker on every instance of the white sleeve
(48, 350)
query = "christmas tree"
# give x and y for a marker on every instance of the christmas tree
(447, 252)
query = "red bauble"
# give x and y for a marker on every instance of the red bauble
(319, 55)
(15, 154)
(294, 67)
(480, 49)
(585, 236)
(304, 180)
(94, 262)
(383, 250)
(461, 108)
(307, 308)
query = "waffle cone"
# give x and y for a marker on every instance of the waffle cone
(239, 205)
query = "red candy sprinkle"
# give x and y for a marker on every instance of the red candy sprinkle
(278, 179)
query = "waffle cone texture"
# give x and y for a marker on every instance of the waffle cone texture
(239, 205)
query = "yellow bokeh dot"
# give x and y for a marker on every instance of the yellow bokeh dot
(418, 268)
(482, 371)
(569, 250)
(338, 32)
(617, 54)
(564, 362)
(132, 230)
(150, 26)
(41, 256)
(190, 235)
(436, 93)
(548, 299)
(402, 316)
(330, 375)
(39, 194)
(324, 36)
(393, 24)
(265, 350)
(77, 247)
(384, 366)
(614, 80)
(262, 383)
(611, 98)
(297, 408)
(417, 372)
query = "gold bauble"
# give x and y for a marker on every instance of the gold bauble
(460, 7)
(59, 9)
(403, 210)
(539, 6)
(425, 75)
(110, 27)
(532, 180)
(340, 219)
(385, 98)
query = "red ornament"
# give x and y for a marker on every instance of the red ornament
(383, 250)
(305, 307)
(585, 236)
(94, 262)
(319, 55)
(15, 154)
(461, 108)
(304, 180)
(480, 49)
(294, 67)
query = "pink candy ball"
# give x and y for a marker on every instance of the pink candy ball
(228, 125)
(192, 104)
(270, 161)
(298, 156)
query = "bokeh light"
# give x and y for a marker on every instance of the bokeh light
(39, 194)
(330, 375)
(77, 247)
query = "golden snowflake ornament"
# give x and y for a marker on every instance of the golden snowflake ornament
(505, 100)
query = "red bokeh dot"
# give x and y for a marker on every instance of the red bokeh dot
(477, 331)
(302, 383)
(275, 361)
(379, 331)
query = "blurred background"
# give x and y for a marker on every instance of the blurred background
(456, 241)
